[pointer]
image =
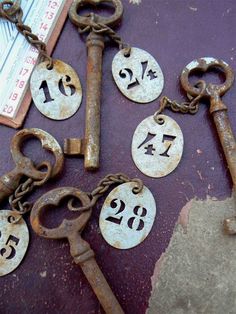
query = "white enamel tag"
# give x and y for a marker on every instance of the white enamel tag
(57, 92)
(157, 148)
(126, 218)
(14, 240)
(138, 76)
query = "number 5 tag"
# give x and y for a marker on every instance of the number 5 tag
(14, 240)
(127, 218)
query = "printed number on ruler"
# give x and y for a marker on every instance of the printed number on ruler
(47, 15)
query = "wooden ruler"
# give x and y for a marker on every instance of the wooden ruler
(46, 18)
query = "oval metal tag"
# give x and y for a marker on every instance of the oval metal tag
(56, 92)
(138, 76)
(127, 218)
(157, 148)
(14, 240)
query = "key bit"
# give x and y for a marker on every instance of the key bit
(80, 249)
(24, 166)
(90, 145)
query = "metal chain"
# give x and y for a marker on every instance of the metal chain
(103, 186)
(15, 17)
(16, 199)
(191, 107)
(100, 28)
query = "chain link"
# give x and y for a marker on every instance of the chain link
(103, 186)
(15, 17)
(191, 107)
(100, 28)
(16, 199)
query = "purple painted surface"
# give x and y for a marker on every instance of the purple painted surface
(175, 33)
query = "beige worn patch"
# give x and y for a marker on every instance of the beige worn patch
(197, 273)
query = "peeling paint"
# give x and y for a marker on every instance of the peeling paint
(135, 1)
(196, 274)
(43, 274)
(193, 9)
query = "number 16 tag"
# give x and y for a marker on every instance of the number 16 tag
(56, 92)
(14, 240)
(127, 218)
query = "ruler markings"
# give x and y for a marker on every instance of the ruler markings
(23, 56)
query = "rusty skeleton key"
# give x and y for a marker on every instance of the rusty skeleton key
(219, 112)
(90, 145)
(24, 165)
(80, 249)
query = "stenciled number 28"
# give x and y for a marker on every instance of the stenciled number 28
(138, 212)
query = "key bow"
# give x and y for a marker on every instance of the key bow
(68, 227)
(24, 165)
(212, 91)
(84, 21)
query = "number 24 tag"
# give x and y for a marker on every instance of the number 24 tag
(127, 218)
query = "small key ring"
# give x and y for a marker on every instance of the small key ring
(204, 64)
(84, 21)
(24, 164)
(67, 227)
(12, 10)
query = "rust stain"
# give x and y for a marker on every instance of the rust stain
(24, 166)
(95, 45)
(80, 249)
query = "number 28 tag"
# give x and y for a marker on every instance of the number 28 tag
(14, 240)
(127, 218)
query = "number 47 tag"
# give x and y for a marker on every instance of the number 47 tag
(127, 218)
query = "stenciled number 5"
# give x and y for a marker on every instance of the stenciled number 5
(138, 211)
(9, 251)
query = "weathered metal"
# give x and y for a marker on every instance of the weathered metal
(90, 145)
(14, 240)
(80, 250)
(57, 91)
(157, 145)
(126, 218)
(218, 110)
(24, 166)
(137, 75)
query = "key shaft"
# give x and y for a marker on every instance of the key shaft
(95, 45)
(89, 146)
